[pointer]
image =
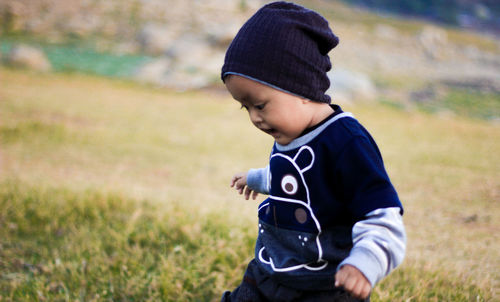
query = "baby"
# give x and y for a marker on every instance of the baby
(331, 227)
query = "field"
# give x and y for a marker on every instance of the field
(113, 191)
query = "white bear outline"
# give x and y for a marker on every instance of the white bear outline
(320, 263)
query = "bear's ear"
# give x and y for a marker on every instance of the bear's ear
(304, 158)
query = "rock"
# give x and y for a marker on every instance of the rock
(154, 71)
(185, 80)
(190, 52)
(434, 42)
(213, 63)
(472, 52)
(386, 32)
(191, 71)
(221, 35)
(12, 15)
(126, 48)
(82, 25)
(478, 84)
(195, 63)
(25, 56)
(155, 39)
(482, 12)
(425, 95)
(347, 86)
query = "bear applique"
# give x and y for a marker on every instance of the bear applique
(286, 215)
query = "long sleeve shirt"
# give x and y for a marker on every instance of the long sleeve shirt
(330, 203)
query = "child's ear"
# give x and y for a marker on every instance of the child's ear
(226, 77)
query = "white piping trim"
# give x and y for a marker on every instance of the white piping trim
(306, 205)
(312, 160)
(302, 140)
(262, 206)
(290, 268)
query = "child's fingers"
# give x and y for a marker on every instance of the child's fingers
(238, 184)
(238, 181)
(234, 180)
(342, 278)
(248, 191)
(356, 290)
(352, 280)
(349, 284)
(364, 290)
(254, 195)
(339, 278)
(359, 289)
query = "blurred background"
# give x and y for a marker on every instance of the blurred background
(413, 53)
(118, 142)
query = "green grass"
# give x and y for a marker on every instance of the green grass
(460, 102)
(80, 57)
(411, 279)
(465, 102)
(114, 191)
(58, 245)
(33, 130)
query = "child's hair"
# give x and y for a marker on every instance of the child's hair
(284, 46)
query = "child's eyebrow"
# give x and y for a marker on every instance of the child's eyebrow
(246, 98)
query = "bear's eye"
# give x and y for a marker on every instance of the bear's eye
(289, 184)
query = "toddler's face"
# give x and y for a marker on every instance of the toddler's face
(277, 113)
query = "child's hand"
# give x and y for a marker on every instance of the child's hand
(239, 181)
(353, 281)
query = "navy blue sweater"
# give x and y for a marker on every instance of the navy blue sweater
(320, 185)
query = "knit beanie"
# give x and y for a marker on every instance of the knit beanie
(285, 46)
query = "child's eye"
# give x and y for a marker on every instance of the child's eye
(260, 107)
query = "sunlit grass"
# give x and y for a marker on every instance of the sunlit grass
(111, 190)
(92, 246)
(476, 104)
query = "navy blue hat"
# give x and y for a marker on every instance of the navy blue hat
(285, 46)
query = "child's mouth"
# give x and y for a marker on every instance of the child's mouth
(271, 131)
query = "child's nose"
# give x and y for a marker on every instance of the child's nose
(255, 116)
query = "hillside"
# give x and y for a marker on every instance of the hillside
(480, 15)
(406, 62)
(128, 184)
(117, 147)
(112, 190)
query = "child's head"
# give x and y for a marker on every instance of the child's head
(281, 51)
(284, 46)
(282, 115)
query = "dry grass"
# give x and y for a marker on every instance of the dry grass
(178, 151)
(448, 176)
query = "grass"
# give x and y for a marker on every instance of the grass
(79, 56)
(92, 246)
(58, 245)
(465, 102)
(459, 101)
(114, 191)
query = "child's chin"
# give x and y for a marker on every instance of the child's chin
(282, 140)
